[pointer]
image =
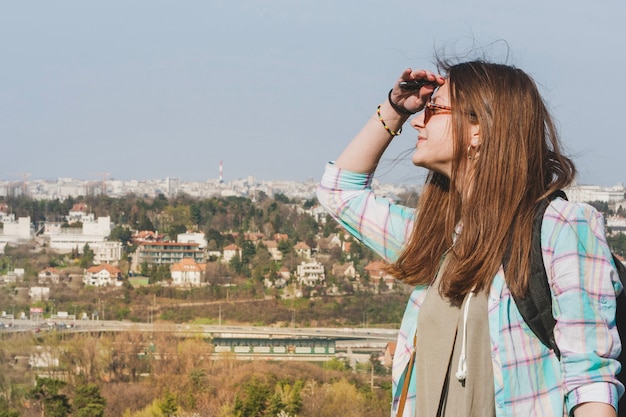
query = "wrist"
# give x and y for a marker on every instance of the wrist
(389, 119)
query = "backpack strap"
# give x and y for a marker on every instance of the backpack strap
(536, 306)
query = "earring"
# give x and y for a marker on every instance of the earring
(469, 156)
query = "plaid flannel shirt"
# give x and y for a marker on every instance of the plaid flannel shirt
(529, 380)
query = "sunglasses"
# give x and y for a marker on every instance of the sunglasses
(432, 109)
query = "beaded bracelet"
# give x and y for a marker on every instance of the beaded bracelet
(396, 107)
(391, 132)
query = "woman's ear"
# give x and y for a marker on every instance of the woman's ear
(473, 150)
(475, 140)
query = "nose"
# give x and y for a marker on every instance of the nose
(418, 121)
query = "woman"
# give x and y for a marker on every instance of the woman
(492, 153)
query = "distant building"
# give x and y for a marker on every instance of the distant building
(92, 232)
(310, 273)
(230, 252)
(390, 351)
(187, 273)
(272, 248)
(193, 237)
(39, 293)
(303, 250)
(616, 224)
(14, 231)
(49, 275)
(588, 193)
(377, 272)
(325, 244)
(345, 270)
(103, 275)
(165, 253)
(146, 236)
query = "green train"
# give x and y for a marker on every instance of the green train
(262, 346)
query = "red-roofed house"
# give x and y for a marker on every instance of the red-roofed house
(272, 248)
(230, 252)
(103, 275)
(48, 275)
(376, 271)
(303, 250)
(187, 272)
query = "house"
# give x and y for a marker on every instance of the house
(187, 272)
(146, 236)
(390, 351)
(49, 275)
(272, 248)
(278, 282)
(103, 275)
(303, 250)
(346, 270)
(284, 273)
(325, 244)
(39, 293)
(230, 252)
(310, 273)
(280, 237)
(377, 272)
(76, 213)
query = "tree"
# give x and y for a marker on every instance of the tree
(86, 260)
(47, 391)
(88, 402)
(122, 234)
(254, 399)
(168, 405)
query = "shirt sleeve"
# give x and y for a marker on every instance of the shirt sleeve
(584, 285)
(379, 223)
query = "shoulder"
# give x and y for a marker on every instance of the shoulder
(580, 218)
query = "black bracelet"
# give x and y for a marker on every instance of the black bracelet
(397, 108)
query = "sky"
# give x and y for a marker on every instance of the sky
(149, 89)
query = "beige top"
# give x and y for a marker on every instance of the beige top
(438, 348)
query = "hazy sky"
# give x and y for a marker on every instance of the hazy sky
(275, 88)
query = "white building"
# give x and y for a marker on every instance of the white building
(14, 231)
(106, 252)
(93, 232)
(39, 293)
(103, 275)
(586, 193)
(193, 237)
(230, 252)
(187, 272)
(49, 275)
(310, 273)
(616, 224)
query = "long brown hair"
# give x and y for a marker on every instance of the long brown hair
(519, 163)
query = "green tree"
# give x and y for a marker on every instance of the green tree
(88, 402)
(253, 399)
(47, 391)
(168, 405)
(122, 234)
(86, 260)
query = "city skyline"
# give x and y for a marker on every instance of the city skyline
(275, 89)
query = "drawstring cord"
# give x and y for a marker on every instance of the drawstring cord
(461, 372)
